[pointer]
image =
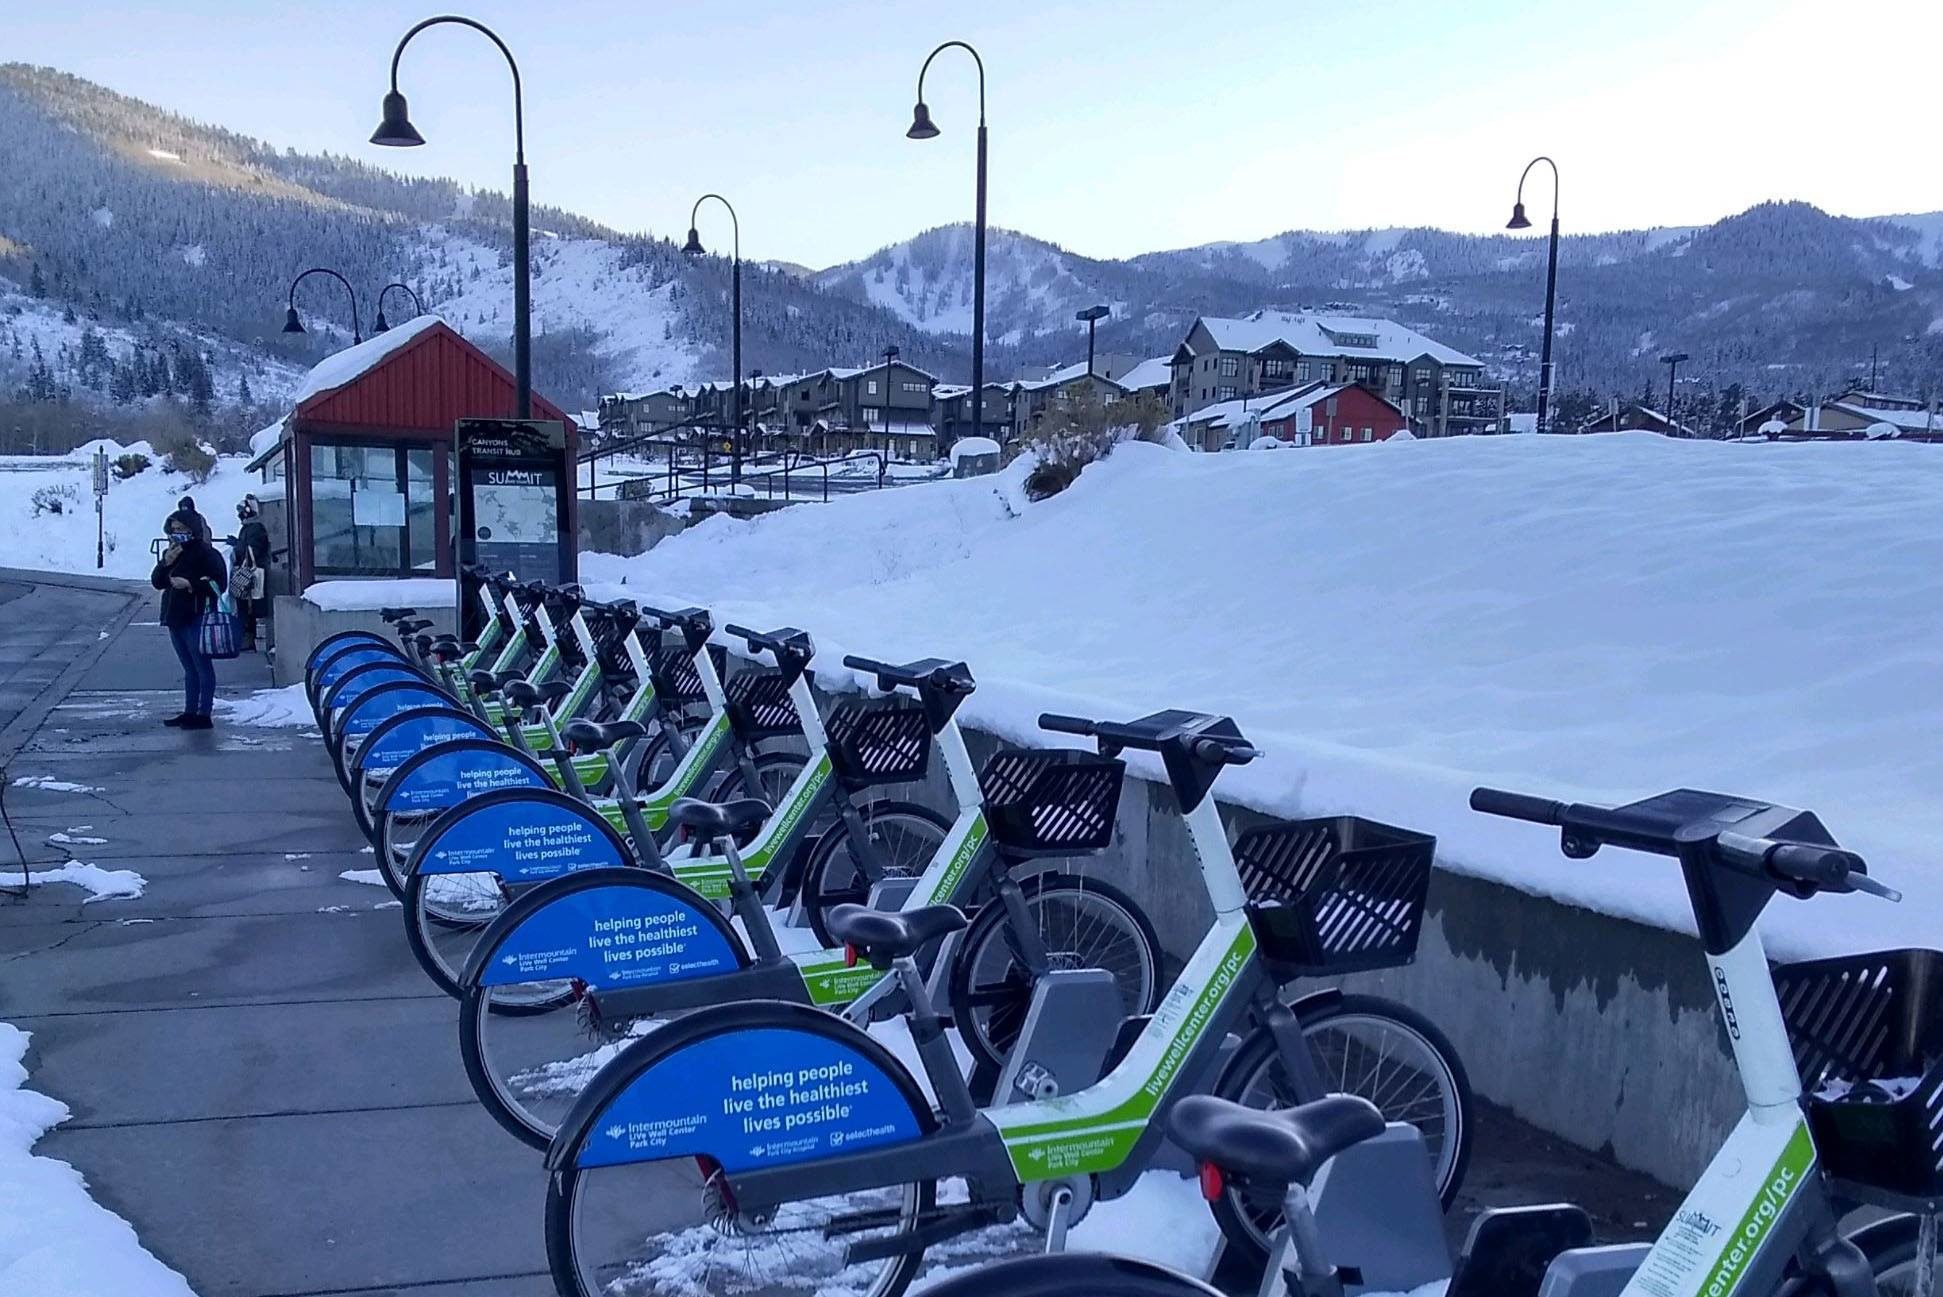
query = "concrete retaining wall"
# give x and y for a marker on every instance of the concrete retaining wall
(1602, 1031)
(610, 526)
(301, 625)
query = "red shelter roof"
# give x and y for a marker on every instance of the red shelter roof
(425, 385)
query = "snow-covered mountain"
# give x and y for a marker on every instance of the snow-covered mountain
(161, 237)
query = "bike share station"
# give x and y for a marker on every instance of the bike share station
(610, 930)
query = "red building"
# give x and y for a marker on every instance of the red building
(1330, 415)
(363, 461)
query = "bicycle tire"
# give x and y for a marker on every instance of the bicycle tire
(1072, 1274)
(820, 890)
(1242, 1222)
(1890, 1246)
(1011, 996)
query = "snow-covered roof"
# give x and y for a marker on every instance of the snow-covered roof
(1156, 372)
(948, 391)
(353, 363)
(265, 440)
(1223, 414)
(1061, 376)
(1901, 420)
(1323, 335)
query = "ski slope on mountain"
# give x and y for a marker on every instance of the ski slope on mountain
(1595, 618)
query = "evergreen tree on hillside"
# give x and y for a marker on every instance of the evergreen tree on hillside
(37, 283)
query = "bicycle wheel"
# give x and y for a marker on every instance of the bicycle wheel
(1891, 1248)
(396, 839)
(1084, 923)
(905, 836)
(1387, 1053)
(445, 915)
(1072, 1274)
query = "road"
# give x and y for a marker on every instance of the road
(262, 1081)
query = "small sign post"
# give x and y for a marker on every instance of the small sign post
(515, 493)
(100, 495)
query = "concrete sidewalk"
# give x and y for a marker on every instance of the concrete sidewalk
(262, 1080)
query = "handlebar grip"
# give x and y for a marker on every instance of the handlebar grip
(1517, 806)
(856, 663)
(942, 678)
(1822, 866)
(751, 637)
(1066, 724)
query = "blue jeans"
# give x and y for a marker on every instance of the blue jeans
(198, 672)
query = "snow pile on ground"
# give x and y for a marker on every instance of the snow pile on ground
(1597, 618)
(133, 510)
(268, 708)
(55, 1241)
(100, 884)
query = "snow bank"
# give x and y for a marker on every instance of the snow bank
(366, 596)
(967, 446)
(55, 1241)
(1598, 618)
(132, 515)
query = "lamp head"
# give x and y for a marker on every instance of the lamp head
(396, 129)
(922, 127)
(694, 245)
(291, 324)
(1518, 221)
(380, 325)
(1092, 313)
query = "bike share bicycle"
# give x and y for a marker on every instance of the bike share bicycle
(634, 947)
(1840, 1062)
(470, 861)
(773, 1147)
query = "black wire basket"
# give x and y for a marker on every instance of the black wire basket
(1335, 895)
(676, 680)
(1867, 1032)
(1051, 802)
(879, 741)
(759, 704)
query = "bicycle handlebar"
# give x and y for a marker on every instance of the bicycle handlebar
(785, 642)
(927, 673)
(1058, 724)
(1517, 806)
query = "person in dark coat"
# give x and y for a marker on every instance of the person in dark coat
(252, 549)
(191, 577)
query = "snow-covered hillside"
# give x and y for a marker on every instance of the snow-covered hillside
(64, 541)
(1598, 618)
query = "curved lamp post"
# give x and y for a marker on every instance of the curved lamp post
(923, 128)
(1519, 222)
(292, 324)
(397, 131)
(1091, 317)
(694, 248)
(380, 325)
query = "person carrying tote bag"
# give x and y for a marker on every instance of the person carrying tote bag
(249, 559)
(191, 577)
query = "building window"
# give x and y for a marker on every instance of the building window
(1368, 435)
(1276, 370)
(1423, 405)
(1230, 366)
(870, 387)
(1305, 372)
(373, 510)
(914, 387)
(1224, 393)
(870, 414)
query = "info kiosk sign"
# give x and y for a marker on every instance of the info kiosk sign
(515, 501)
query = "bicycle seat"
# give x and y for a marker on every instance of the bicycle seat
(413, 625)
(521, 693)
(881, 936)
(1287, 1146)
(711, 820)
(592, 735)
(484, 683)
(396, 614)
(446, 650)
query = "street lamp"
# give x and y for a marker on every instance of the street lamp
(397, 131)
(381, 325)
(923, 128)
(292, 324)
(891, 353)
(694, 249)
(1672, 362)
(1519, 222)
(1092, 315)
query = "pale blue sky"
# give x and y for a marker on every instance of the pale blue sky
(1116, 127)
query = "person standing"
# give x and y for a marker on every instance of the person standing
(249, 562)
(190, 576)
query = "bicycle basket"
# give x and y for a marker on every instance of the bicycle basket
(1867, 1032)
(759, 704)
(1049, 802)
(675, 679)
(1335, 895)
(879, 741)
